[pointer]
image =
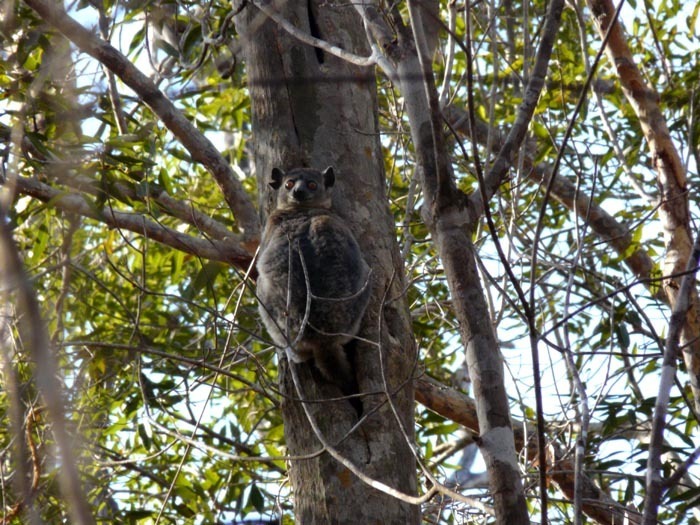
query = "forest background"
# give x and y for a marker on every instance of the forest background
(137, 381)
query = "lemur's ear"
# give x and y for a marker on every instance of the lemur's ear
(328, 177)
(276, 178)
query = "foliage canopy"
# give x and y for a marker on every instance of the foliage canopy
(170, 380)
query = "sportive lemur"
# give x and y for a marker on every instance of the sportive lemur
(313, 283)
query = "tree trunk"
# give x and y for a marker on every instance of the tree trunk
(312, 109)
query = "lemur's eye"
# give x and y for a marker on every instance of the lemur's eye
(289, 184)
(311, 185)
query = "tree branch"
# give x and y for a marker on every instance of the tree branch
(684, 302)
(183, 211)
(671, 178)
(461, 409)
(600, 221)
(216, 250)
(448, 219)
(15, 287)
(199, 147)
(514, 140)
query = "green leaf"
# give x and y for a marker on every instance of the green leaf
(256, 498)
(137, 40)
(144, 434)
(165, 181)
(205, 277)
(622, 335)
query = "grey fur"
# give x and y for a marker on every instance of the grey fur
(304, 234)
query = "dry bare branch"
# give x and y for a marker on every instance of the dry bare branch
(516, 135)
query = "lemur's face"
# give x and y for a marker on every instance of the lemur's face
(302, 187)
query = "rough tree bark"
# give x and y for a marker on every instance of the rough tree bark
(313, 109)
